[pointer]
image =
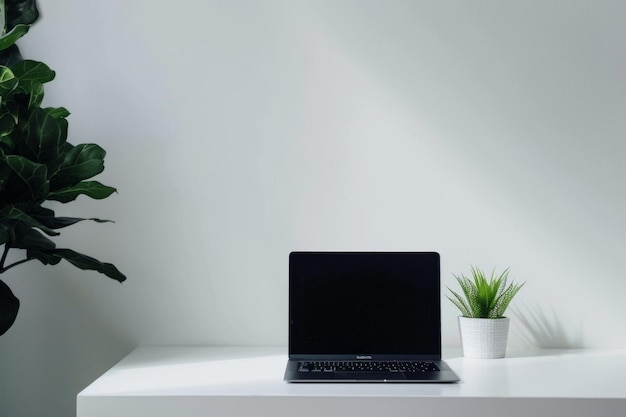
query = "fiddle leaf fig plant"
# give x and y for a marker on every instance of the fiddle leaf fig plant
(37, 163)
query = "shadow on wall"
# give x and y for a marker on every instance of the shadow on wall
(544, 330)
(58, 344)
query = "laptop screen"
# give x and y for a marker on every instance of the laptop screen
(368, 303)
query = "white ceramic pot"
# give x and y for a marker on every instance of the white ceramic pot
(484, 338)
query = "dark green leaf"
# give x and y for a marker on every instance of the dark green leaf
(82, 162)
(58, 112)
(87, 263)
(17, 107)
(92, 189)
(43, 256)
(40, 211)
(12, 36)
(7, 124)
(8, 80)
(21, 12)
(9, 306)
(6, 234)
(86, 152)
(13, 213)
(61, 222)
(34, 90)
(47, 218)
(43, 137)
(31, 239)
(33, 183)
(29, 70)
(10, 56)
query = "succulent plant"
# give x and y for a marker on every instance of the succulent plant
(484, 297)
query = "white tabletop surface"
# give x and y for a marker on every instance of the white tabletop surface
(259, 371)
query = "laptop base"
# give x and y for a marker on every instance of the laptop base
(444, 375)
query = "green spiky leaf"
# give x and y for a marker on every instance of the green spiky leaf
(484, 297)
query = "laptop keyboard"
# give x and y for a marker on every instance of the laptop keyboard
(368, 366)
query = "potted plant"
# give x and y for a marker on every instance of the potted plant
(37, 163)
(482, 302)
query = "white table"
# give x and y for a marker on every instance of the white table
(248, 381)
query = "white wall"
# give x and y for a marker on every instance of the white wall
(237, 131)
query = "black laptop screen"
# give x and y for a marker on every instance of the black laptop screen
(374, 303)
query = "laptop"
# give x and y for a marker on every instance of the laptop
(365, 317)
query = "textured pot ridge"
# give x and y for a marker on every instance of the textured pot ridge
(484, 338)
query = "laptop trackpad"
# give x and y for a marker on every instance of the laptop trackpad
(369, 376)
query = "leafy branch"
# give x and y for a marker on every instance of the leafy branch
(37, 163)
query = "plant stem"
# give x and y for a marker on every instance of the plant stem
(4, 258)
(4, 254)
(4, 269)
